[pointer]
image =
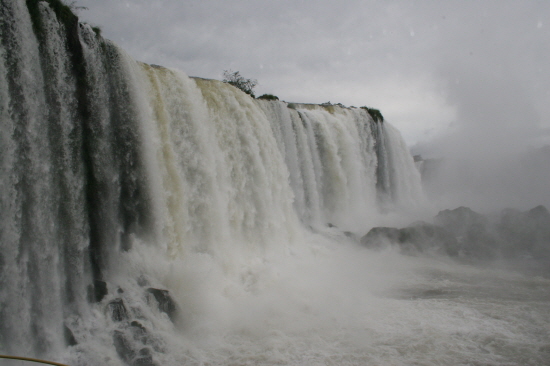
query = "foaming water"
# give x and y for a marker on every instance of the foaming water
(332, 303)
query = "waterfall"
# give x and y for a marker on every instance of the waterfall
(112, 170)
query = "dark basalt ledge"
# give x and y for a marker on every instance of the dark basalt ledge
(165, 302)
(118, 310)
(97, 291)
(418, 238)
(131, 339)
(464, 233)
(70, 340)
(128, 354)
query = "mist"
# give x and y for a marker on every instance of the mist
(495, 154)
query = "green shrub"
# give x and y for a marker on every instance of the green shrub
(97, 31)
(268, 97)
(238, 81)
(375, 114)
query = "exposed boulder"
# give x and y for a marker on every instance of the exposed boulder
(133, 346)
(380, 237)
(143, 358)
(123, 346)
(525, 233)
(418, 238)
(70, 340)
(118, 310)
(97, 291)
(461, 221)
(165, 302)
(139, 331)
(424, 237)
(476, 237)
(472, 236)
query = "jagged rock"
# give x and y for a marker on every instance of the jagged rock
(142, 281)
(539, 213)
(97, 291)
(525, 233)
(144, 358)
(118, 310)
(139, 331)
(351, 235)
(70, 340)
(423, 237)
(417, 238)
(380, 237)
(461, 221)
(138, 325)
(165, 302)
(477, 239)
(122, 346)
(128, 354)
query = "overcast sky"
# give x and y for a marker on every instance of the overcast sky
(462, 75)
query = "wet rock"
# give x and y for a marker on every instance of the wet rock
(539, 213)
(351, 235)
(471, 236)
(142, 281)
(461, 221)
(419, 238)
(424, 237)
(118, 310)
(139, 331)
(525, 233)
(70, 340)
(477, 238)
(138, 325)
(144, 358)
(126, 350)
(380, 237)
(165, 302)
(97, 291)
(122, 346)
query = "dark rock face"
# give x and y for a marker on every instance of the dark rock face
(165, 302)
(473, 231)
(70, 340)
(118, 310)
(424, 237)
(144, 358)
(122, 346)
(126, 350)
(461, 221)
(526, 233)
(97, 291)
(131, 340)
(379, 237)
(469, 235)
(418, 238)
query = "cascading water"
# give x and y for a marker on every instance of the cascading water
(149, 218)
(100, 152)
